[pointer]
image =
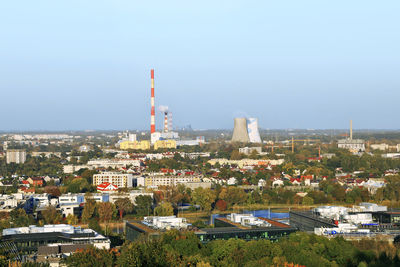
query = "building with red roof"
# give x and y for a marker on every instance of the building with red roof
(106, 186)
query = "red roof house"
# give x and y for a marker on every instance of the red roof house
(106, 186)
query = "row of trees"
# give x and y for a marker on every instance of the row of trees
(184, 249)
(106, 211)
(222, 198)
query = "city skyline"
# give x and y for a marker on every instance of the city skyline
(76, 66)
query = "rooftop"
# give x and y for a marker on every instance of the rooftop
(49, 228)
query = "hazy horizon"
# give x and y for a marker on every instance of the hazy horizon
(293, 64)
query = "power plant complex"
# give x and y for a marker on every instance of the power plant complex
(166, 138)
(246, 130)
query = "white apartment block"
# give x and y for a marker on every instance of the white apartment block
(74, 168)
(16, 156)
(113, 163)
(151, 181)
(118, 179)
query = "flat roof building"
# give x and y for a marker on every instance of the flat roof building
(253, 228)
(118, 179)
(30, 239)
(160, 180)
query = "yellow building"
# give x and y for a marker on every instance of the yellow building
(164, 144)
(140, 145)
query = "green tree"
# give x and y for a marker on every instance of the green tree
(164, 209)
(72, 219)
(51, 215)
(203, 197)
(233, 195)
(105, 210)
(143, 253)
(123, 205)
(307, 201)
(94, 225)
(19, 218)
(235, 155)
(143, 205)
(91, 257)
(88, 209)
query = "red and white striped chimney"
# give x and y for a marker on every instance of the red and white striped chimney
(153, 110)
(166, 122)
(170, 121)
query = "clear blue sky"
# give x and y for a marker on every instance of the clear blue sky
(293, 64)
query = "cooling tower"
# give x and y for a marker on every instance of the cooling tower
(252, 126)
(240, 133)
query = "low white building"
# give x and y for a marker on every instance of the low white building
(165, 222)
(74, 168)
(353, 145)
(194, 185)
(262, 183)
(249, 150)
(68, 199)
(247, 220)
(231, 181)
(381, 147)
(69, 209)
(277, 182)
(113, 163)
(57, 234)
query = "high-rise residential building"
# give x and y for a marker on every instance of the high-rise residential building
(16, 156)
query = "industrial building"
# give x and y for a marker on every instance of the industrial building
(353, 145)
(163, 136)
(367, 218)
(167, 133)
(159, 144)
(135, 145)
(242, 226)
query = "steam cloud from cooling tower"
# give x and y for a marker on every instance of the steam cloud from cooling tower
(163, 109)
(252, 128)
(246, 131)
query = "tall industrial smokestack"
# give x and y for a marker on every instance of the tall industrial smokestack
(153, 111)
(351, 129)
(166, 122)
(170, 121)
